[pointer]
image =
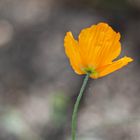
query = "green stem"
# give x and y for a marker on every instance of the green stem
(76, 106)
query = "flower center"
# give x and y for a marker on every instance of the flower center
(90, 71)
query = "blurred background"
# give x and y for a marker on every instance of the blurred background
(38, 87)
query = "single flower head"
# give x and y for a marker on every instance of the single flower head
(95, 50)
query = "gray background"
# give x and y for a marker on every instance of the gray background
(38, 87)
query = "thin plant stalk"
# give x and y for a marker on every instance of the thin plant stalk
(76, 106)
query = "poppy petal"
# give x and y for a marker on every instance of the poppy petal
(100, 44)
(114, 66)
(71, 49)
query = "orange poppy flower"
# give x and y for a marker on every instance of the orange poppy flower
(95, 50)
